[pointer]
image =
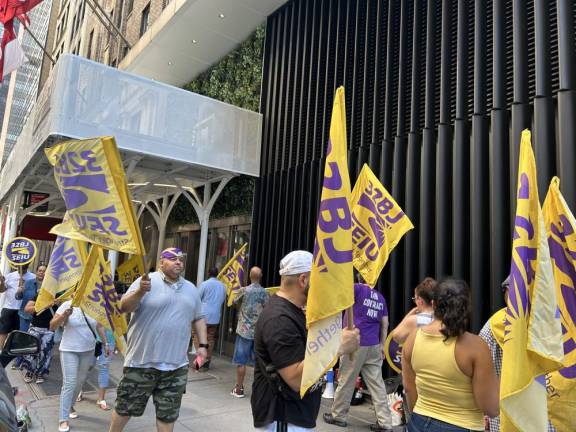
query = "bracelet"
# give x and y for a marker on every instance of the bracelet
(203, 345)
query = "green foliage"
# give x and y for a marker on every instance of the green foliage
(235, 200)
(236, 80)
(237, 77)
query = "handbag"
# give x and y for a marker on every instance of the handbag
(98, 347)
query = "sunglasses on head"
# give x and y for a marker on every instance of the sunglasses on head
(175, 258)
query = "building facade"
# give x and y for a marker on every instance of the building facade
(437, 94)
(20, 89)
(103, 31)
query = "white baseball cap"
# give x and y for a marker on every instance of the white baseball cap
(295, 263)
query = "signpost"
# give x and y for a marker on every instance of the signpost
(20, 251)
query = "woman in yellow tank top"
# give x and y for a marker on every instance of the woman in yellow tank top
(447, 372)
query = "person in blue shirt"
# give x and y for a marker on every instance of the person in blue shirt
(31, 287)
(212, 295)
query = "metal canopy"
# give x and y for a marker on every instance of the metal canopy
(172, 142)
(191, 35)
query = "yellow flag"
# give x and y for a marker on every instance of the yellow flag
(232, 274)
(533, 337)
(378, 224)
(130, 269)
(97, 297)
(331, 280)
(90, 177)
(498, 325)
(272, 290)
(561, 231)
(63, 272)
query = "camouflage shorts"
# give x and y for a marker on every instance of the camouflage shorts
(166, 388)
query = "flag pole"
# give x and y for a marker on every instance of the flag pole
(350, 326)
(39, 44)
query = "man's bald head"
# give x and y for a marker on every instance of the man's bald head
(255, 275)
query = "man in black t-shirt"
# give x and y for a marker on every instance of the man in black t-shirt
(280, 346)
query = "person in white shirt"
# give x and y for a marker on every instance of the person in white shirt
(12, 286)
(76, 355)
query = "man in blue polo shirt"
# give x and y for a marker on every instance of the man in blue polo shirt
(212, 295)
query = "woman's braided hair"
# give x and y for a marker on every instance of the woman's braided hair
(452, 306)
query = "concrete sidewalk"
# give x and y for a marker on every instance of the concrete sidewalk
(206, 406)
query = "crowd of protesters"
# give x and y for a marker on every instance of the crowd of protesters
(450, 376)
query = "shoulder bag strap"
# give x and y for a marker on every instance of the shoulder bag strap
(89, 326)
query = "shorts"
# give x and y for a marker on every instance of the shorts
(165, 387)
(9, 320)
(243, 351)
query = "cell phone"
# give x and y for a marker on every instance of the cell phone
(197, 363)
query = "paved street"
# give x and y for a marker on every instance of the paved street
(207, 404)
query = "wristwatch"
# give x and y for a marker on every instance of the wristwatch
(203, 345)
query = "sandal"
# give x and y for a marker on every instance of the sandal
(103, 405)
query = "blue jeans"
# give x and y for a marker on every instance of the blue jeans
(420, 423)
(25, 324)
(103, 364)
(75, 366)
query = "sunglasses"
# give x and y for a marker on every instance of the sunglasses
(174, 259)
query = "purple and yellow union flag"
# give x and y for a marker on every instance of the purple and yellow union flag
(378, 224)
(63, 272)
(532, 333)
(90, 177)
(331, 280)
(96, 295)
(232, 274)
(561, 231)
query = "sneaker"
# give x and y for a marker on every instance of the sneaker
(238, 392)
(205, 367)
(40, 380)
(28, 378)
(329, 418)
(377, 428)
(79, 398)
(73, 414)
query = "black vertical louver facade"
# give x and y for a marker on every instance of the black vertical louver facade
(437, 94)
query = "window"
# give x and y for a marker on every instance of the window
(90, 40)
(145, 19)
(73, 31)
(119, 14)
